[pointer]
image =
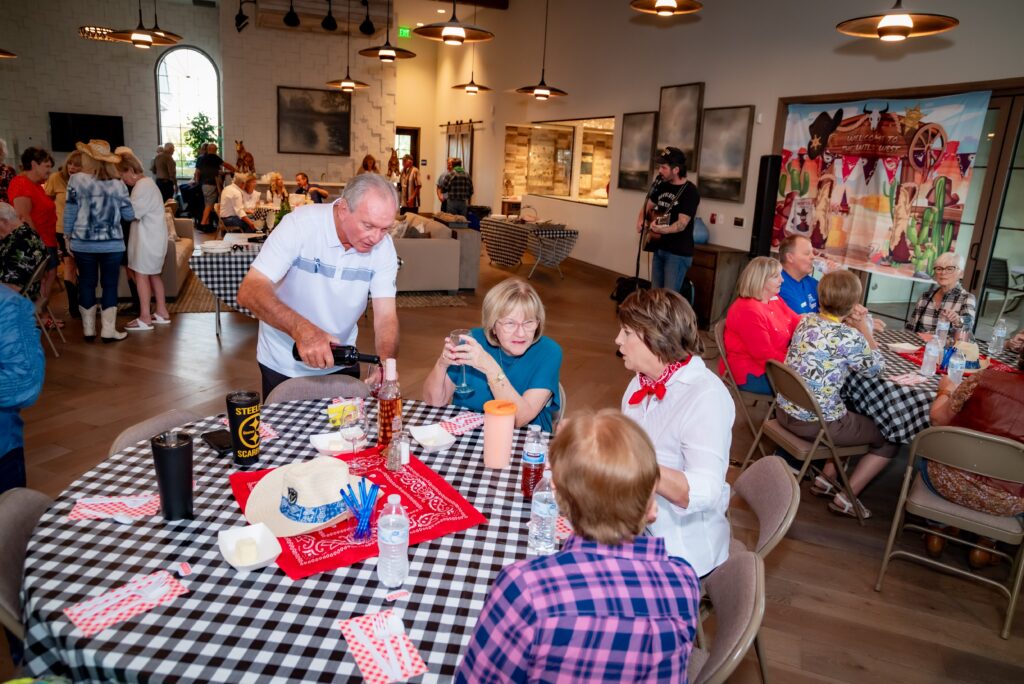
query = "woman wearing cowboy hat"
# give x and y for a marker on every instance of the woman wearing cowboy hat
(97, 203)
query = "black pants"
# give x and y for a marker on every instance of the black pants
(12, 469)
(271, 378)
(166, 188)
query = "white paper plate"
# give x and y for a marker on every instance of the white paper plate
(904, 347)
(267, 546)
(215, 247)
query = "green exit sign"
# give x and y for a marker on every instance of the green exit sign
(404, 32)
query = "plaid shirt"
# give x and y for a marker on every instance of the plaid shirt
(588, 613)
(458, 187)
(926, 313)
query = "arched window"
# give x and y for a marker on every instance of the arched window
(187, 84)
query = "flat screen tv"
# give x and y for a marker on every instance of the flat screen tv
(67, 129)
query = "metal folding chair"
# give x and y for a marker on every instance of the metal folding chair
(741, 396)
(37, 276)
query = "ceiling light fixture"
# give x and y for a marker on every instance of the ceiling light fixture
(329, 23)
(542, 90)
(156, 30)
(242, 19)
(6, 54)
(100, 33)
(367, 28)
(291, 18)
(897, 24)
(387, 53)
(666, 8)
(348, 84)
(453, 32)
(142, 37)
(472, 88)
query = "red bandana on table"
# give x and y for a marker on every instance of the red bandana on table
(433, 506)
(656, 387)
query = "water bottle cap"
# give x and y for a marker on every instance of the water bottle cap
(395, 499)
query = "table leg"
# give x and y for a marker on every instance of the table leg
(217, 314)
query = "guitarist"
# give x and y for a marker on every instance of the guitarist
(668, 216)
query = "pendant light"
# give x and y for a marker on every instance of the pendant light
(542, 90)
(897, 24)
(472, 88)
(329, 23)
(367, 28)
(387, 53)
(291, 18)
(666, 8)
(141, 37)
(348, 84)
(100, 33)
(453, 32)
(160, 32)
(6, 54)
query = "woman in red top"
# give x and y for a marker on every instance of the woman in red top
(758, 326)
(36, 208)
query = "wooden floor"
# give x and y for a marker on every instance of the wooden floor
(824, 621)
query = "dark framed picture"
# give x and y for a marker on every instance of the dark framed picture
(313, 121)
(679, 120)
(725, 152)
(636, 150)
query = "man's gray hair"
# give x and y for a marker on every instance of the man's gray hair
(950, 259)
(242, 178)
(357, 187)
(8, 213)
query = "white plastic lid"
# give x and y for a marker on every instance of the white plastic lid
(395, 499)
(390, 369)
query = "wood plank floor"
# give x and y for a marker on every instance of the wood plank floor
(824, 621)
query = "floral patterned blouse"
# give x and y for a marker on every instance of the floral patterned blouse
(824, 353)
(7, 174)
(20, 254)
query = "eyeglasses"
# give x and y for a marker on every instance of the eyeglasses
(509, 326)
(946, 269)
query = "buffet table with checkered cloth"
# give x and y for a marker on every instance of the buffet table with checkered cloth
(506, 243)
(222, 274)
(259, 626)
(899, 411)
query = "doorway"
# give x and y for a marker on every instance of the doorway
(407, 141)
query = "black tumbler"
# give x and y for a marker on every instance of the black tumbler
(172, 456)
(244, 425)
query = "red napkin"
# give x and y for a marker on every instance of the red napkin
(433, 506)
(462, 423)
(917, 357)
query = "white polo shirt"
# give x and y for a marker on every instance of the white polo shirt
(321, 280)
(232, 202)
(691, 428)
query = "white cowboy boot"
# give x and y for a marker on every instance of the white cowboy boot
(89, 322)
(109, 332)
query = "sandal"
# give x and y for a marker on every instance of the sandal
(160, 320)
(137, 325)
(841, 506)
(52, 323)
(824, 487)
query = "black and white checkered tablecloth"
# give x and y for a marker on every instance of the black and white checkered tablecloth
(899, 411)
(507, 242)
(260, 626)
(223, 274)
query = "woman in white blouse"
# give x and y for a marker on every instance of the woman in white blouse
(688, 414)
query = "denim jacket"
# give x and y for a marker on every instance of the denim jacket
(21, 365)
(95, 208)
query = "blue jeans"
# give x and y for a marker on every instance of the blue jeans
(757, 384)
(235, 222)
(98, 267)
(458, 207)
(669, 270)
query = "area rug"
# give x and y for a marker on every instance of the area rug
(419, 300)
(194, 297)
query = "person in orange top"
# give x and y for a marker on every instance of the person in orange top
(758, 326)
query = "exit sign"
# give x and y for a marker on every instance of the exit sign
(404, 32)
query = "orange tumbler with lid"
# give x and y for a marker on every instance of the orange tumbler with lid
(499, 424)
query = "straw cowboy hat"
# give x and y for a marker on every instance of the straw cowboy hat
(300, 498)
(98, 150)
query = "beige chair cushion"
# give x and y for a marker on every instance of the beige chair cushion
(20, 510)
(926, 503)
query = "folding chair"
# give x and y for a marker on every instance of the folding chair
(317, 387)
(974, 452)
(741, 396)
(37, 276)
(791, 386)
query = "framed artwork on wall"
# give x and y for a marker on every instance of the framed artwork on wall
(725, 152)
(636, 150)
(313, 121)
(679, 120)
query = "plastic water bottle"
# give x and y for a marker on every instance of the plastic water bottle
(932, 356)
(998, 341)
(393, 542)
(543, 517)
(955, 370)
(535, 453)
(942, 331)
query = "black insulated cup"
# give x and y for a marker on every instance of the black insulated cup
(244, 426)
(172, 456)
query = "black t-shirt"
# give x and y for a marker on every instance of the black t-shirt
(663, 195)
(208, 166)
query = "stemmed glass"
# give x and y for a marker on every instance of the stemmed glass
(353, 427)
(455, 339)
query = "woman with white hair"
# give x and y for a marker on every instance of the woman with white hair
(21, 250)
(947, 300)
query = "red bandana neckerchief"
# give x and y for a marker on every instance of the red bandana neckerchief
(656, 387)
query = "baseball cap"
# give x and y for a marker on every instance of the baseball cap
(673, 156)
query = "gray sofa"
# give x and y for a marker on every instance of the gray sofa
(446, 260)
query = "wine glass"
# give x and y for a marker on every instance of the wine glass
(353, 427)
(455, 339)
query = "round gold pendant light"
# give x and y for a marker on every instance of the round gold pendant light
(453, 32)
(348, 84)
(387, 52)
(542, 91)
(666, 8)
(897, 24)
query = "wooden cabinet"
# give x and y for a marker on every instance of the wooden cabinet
(714, 273)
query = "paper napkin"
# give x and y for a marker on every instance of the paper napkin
(364, 658)
(117, 605)
(464, 422)
(100, 507)
(909, 379)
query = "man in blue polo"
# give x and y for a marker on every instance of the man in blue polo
(799, 288)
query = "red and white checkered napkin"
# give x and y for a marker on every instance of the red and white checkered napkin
(366, 662)
(563, 528)
(117, 605)
(99, 507)
(267, 433)
(464, 422)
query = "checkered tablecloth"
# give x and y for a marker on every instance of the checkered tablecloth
(223, 274)
(900, 412)
(507, 242)
(260, 626)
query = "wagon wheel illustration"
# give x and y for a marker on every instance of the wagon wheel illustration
(927, 147)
